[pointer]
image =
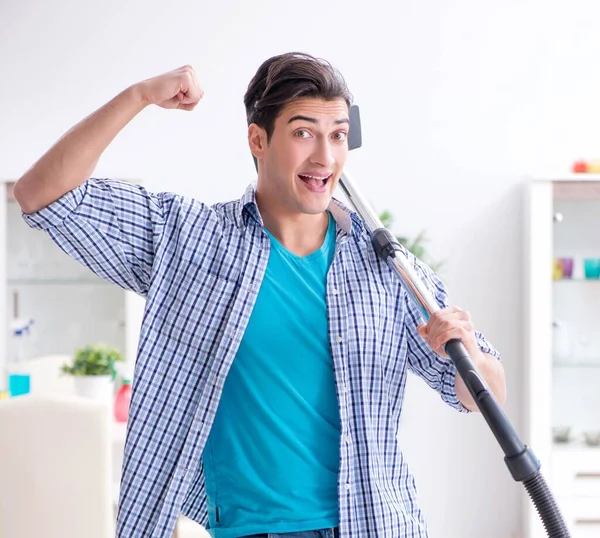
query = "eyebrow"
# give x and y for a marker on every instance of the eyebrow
(314, 120)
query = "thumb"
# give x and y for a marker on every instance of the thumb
(422, 330)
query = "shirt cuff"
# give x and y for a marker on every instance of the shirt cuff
(449, 378)
(449, 388)
(57, 212)
(486, 347)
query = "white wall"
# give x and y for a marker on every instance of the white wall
(459, 100)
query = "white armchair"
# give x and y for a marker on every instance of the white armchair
(60, 462)
(55, 468)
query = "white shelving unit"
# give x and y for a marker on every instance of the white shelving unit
(4, 328)
(69, 304)
(562, 369)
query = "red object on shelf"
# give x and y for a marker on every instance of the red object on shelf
(122, 400)
(580, 167)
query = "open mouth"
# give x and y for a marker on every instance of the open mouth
(315, 183)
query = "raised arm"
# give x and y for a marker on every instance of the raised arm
(111, 227)
(72, 159)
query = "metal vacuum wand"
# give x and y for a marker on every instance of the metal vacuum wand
(384, 239)
(519, 458)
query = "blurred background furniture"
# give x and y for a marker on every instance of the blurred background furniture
(55, 461)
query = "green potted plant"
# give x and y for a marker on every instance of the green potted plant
(94, 369)
(416, 246)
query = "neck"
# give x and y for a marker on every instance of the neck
(300, 233)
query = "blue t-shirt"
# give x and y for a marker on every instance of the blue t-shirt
(271, 461)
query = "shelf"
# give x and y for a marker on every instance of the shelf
(575, 446)
(591, 280)
(586, 363)
(567, 177)
(57, 282)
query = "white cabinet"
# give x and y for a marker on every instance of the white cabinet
(562, 345)
(70, 305)
(575, 476)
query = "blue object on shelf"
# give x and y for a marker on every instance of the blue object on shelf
(19, 384)
(592, 267)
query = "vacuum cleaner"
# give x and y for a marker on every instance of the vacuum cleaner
(519, 458)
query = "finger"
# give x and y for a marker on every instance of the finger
(463, 314)
(192, 89)
(457, 320)
(443, 313)
(423, 333)
(187, 107)
(459, 333)
(447, 312)
(442, 332)
(173, 102)
(443, 319)
(189, 99)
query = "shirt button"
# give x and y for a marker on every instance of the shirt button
(339, 339)
(347, 487)
(334, 291)
(348, 439)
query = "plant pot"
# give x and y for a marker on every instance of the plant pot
(95, 387)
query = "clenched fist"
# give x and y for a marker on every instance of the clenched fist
(176, 89)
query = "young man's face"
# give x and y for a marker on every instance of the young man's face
(300, 167)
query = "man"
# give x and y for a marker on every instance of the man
(297, 436)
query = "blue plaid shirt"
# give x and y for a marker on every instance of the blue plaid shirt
(200, 269)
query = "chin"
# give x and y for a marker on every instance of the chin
(314, 209)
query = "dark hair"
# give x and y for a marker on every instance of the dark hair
(285, 78)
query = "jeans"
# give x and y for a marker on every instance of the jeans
(324, 533)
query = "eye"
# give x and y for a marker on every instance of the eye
(340, 136)
(302, 133)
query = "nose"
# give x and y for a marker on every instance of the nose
(323, 154)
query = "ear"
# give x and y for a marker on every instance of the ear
(257, 140)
